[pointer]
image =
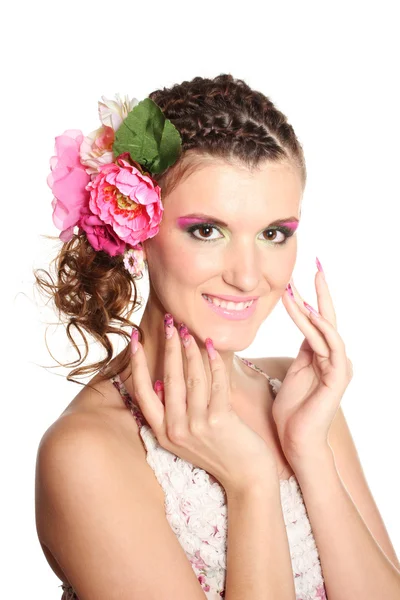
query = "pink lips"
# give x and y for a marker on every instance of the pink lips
(233, 315)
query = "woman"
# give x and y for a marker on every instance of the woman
(204, 492)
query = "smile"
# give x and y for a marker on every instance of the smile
(227, 305)
(234, 311)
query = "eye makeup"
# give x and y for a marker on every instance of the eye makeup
(293, 225)
(194, 223)
(291, 222)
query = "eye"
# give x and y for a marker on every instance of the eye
(274, 232)
(203, 227)
(206, 228)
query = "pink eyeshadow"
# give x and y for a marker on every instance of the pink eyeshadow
(185, 221)
(291, 224)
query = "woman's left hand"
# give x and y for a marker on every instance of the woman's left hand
(310, 394)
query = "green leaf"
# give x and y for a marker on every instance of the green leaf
(150, 138)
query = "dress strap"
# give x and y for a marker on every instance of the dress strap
(128, 401)
(274, 382)
(253, 366)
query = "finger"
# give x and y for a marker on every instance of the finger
(298, 297)
(325, 302)
(314, 336)
(219, 400)
(174, 382)
(196, 379)
(159, 390)
(148, 401)
(336, 344)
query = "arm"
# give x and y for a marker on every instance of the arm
(353, 564)
(258, 561)
(99, 515)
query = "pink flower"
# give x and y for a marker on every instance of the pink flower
(96, 149)
(127, 199)
(101, 236)
(68, 180)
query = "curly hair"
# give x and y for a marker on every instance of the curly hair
(216, 118)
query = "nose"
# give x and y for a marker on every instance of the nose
(242, 267)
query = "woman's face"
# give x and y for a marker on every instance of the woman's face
(242, 258)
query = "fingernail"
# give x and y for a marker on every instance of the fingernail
(289, 289)
(168, 326)
(319, 266)
(158, 386)
(134, 340)
(210, 348)
(316, 313)
(184, 333)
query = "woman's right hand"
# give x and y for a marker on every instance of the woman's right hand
(194, 424)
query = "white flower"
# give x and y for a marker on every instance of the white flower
(96, 149)
(133, 261)
(113, 112)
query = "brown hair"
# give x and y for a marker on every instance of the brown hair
(217, 118)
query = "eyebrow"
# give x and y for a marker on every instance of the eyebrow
(210, 219)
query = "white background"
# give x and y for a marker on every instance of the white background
(332, 68)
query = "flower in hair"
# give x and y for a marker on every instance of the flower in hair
(133, 261)
(68, 180)
(96, 148)
(100, 235)
(103, 183)
(127, 200)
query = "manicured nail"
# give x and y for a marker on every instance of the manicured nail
(134, 340)
(210, 348)
(289, 289)
(158, 386)
(316, 313)
(168, 326)
(319, 266)
(184, 333)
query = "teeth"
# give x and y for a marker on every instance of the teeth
(228, 305)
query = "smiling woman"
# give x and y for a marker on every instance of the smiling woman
(144, 507)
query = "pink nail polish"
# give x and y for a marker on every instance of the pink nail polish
(158, 386)
(289, 289)
(184, 334)
(319, 266)
(168, 326)
(134, 340)
(316, 313)
(210, 348)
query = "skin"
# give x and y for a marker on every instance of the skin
(243, 261)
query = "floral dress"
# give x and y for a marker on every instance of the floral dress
(196, 509)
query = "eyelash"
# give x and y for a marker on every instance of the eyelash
(285, 230)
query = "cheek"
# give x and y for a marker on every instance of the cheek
(177, 263)
(281, 269)
(190, 267)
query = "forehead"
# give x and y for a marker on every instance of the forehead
(236, 194)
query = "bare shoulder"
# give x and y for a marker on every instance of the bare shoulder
(101, 405)
(96, 427)
(275, 366)
(100, 518)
